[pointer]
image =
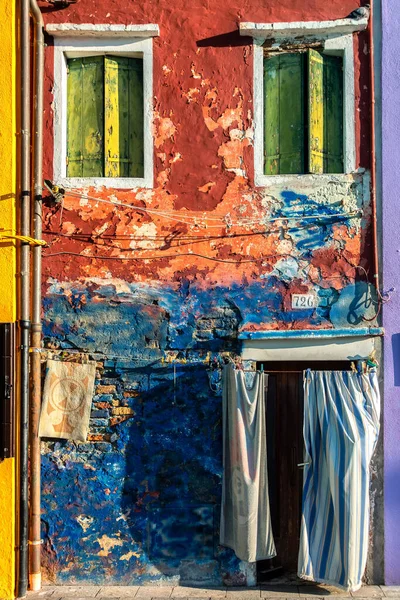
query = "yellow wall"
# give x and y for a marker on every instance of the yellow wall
(7, 528)
(7, 270)
(7, 159)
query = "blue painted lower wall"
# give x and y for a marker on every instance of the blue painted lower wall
(143, 503)
(140, 501)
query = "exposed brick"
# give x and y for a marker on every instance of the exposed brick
(98, 423)
(204, 324)
(98, 437)
(204, 335)
(99, 414)
(135, 385)
(117, 420)
(131, 394)
(229, 312)
(103, 446)
(106, 389)
(123, 410)
(115, 402)
(225, 333)
(85, 447)
(103, 398)
(224, 323)
(102, 405)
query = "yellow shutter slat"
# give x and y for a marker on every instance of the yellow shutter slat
(315, 111)
(123, 102)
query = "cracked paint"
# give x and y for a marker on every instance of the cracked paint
(207, 256)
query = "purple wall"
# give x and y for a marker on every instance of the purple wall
(391, 271)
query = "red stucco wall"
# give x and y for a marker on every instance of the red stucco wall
(203, 80)
(143, 292)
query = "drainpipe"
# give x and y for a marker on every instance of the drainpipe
(373, 153)
(24, 306)
(34, 451)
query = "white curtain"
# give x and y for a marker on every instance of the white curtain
(341, 428)
(245, 515)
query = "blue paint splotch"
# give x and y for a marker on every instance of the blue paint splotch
(139, 502)
(143, 507)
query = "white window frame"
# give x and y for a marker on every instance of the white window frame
(73, 41)
(336, 38)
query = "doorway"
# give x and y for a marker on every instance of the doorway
(284, 414)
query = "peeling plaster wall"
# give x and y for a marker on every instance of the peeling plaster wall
(139, 501)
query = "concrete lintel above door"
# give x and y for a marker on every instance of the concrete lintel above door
(301, 348)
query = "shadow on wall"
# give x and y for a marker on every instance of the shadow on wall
(140, 501)
(172, 486)
(224, 40)
(396, 358)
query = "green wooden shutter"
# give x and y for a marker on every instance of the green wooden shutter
(284, 89)
(85, 117)
(136, 118)
(124, 152)
(325, 105)
(333, 108)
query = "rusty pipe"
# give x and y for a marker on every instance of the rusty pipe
(24, 296)
(36, 328)
(373, 154)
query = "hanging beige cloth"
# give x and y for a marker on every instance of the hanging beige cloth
(67, 399)
(245, 514)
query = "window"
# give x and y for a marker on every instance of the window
(304, 99)
(303, 104)
(105, 117)
(103, 105)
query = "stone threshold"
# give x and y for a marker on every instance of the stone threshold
(163, 592)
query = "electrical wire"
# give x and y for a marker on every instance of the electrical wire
(383, 298)
(214, 259)
(166, 214)
(192, 220)
(22, 238)
(174, 236)
(184, 236)
(161, 257)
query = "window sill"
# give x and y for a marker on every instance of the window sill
(117, 183)
(292, 180)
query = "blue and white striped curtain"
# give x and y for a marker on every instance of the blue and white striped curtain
(341, 428)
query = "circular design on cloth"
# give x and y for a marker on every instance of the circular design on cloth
(70, 397)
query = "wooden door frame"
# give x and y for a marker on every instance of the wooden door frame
(266, 570)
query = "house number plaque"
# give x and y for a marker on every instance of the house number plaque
(303, 301)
